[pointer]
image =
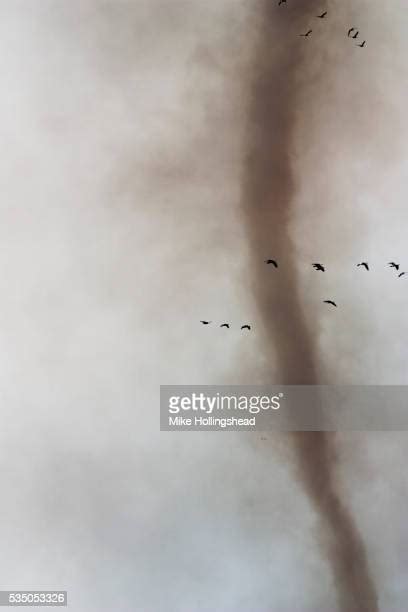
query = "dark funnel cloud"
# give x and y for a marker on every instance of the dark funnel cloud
(269, 188)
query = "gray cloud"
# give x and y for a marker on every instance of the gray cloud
(124, 130)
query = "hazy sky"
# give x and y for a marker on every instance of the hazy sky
(124, 127)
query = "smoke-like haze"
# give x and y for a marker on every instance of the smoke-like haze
(269, 199)
(269, 184)
(126, 127)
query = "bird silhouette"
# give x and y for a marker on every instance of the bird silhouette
(323, 15)
(225, 325)
(350, 31)
(362, 44)
(330, 302)
(307, 33)
(281, 2)
(392, 264)
(246, 327)
(271, 261)
(364, 264)
(319, 267)
(356, 34)
(205, 322)
(401, 274)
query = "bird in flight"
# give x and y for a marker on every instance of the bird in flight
(319, 267)
(356, 34)
(281, 2)
(330, 302)
(225, 325)
(307, 33)
(392, 264)
(364, 264)
(271, 261)
(205, 322)
(401, 274)
(323, 15)
(350, 31)
(362, 44)
(246, 327)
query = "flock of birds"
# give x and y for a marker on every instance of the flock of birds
(352, 32)
(227, 325)
(319, 268)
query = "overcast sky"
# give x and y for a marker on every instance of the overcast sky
(124, 126)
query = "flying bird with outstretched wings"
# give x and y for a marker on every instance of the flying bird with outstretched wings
(356, 35)
(281, 2)
(350, 31)
(307, 33)
(401, 274)
(319, 267)
(364, 264)
(330, 302)
(362, 44)
(246, 327)
(205, 322)
(225, 325)
(322, 16)
(271, 261)
(392, 264)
